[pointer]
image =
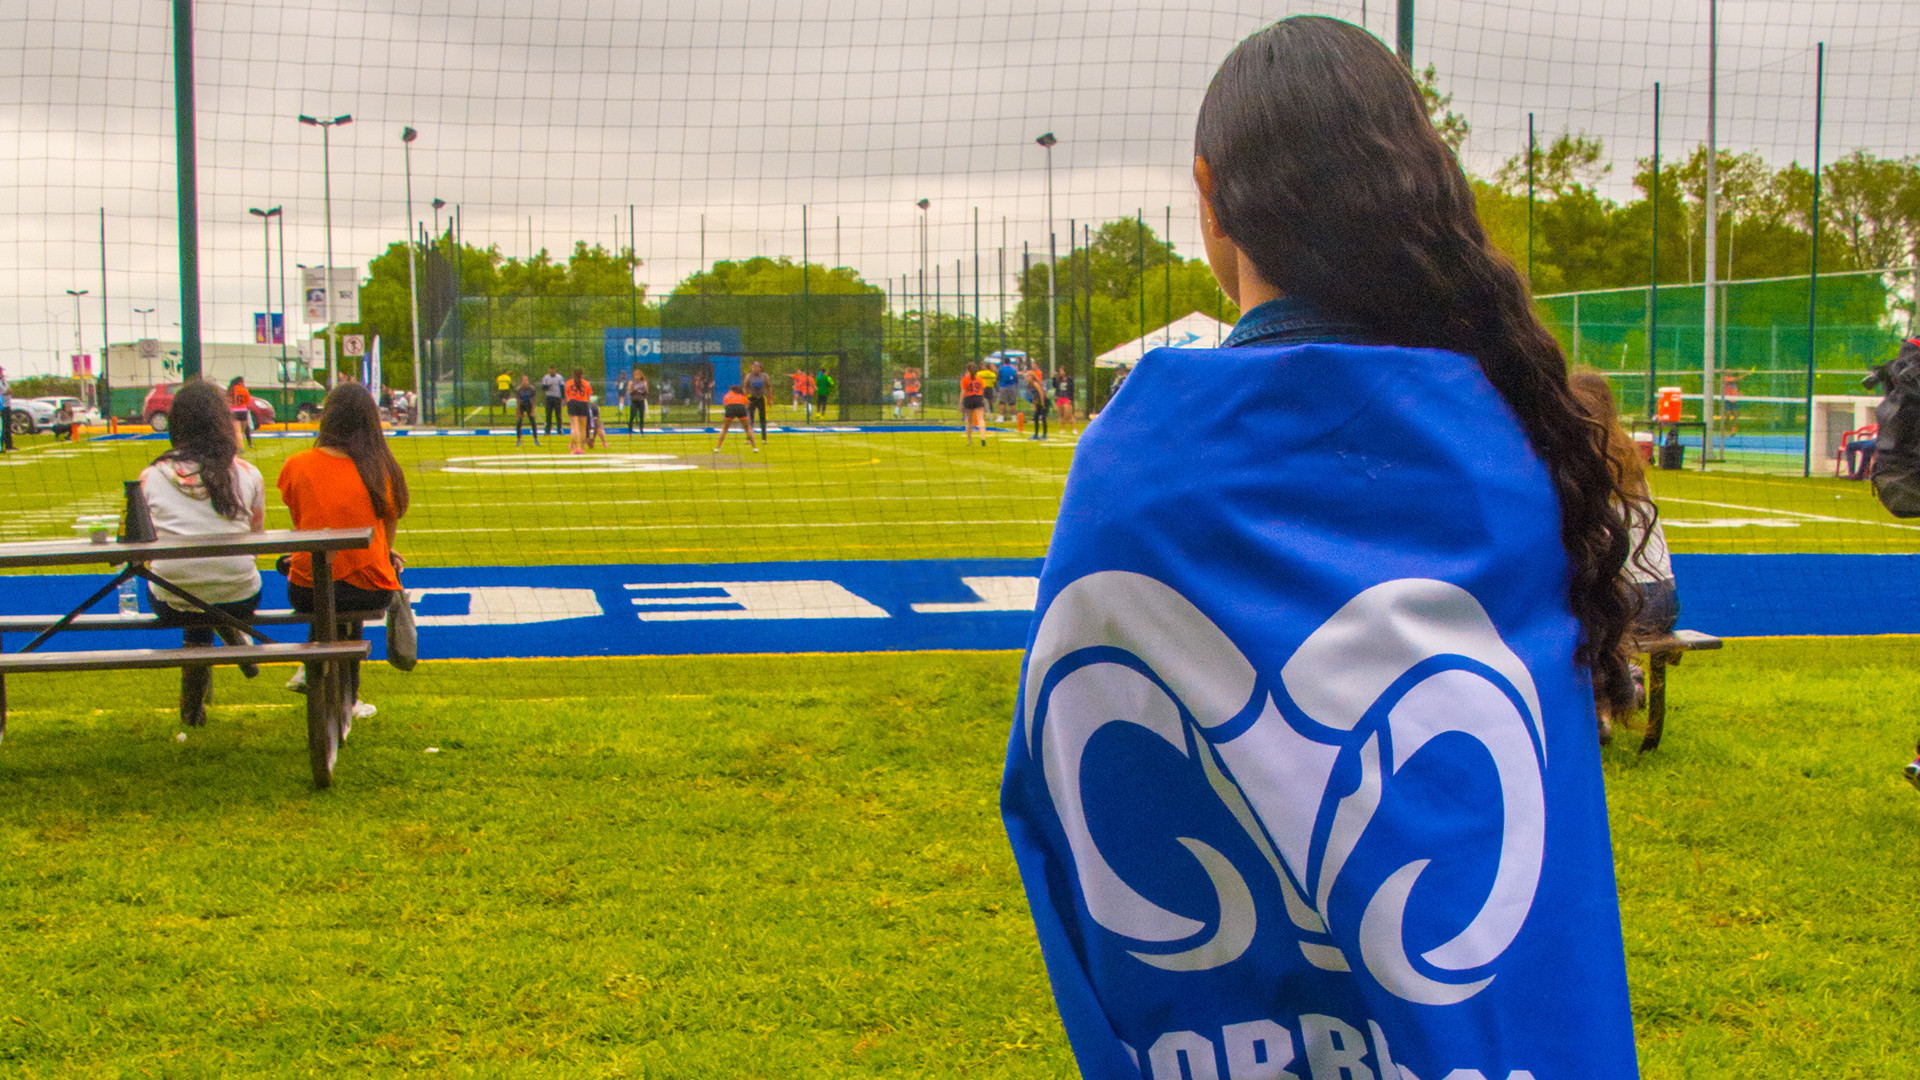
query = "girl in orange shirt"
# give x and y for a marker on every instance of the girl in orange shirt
(579, 395)
(348, 480)
(733, 408)
(973, 402)
(240, 404)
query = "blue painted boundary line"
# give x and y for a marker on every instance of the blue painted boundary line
(906, 605)
(612, 429)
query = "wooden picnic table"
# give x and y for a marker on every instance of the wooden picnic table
(325, 656)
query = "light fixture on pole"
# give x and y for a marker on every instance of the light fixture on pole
(437, 204)
(266, 282)
(326, 170)
(407, 135)
(143, 312)
(926, 355)
(78, 325)
(1047, 141)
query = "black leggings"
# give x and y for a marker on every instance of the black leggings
(525, 415)
(757, 406)
(637, 414)
(553, 414)
(1040, 419)
(345, 598)
(195, 681)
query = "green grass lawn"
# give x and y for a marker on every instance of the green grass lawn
(793, 866)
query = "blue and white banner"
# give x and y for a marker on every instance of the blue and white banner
(1304, 781)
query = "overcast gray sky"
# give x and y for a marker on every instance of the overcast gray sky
(737, 112)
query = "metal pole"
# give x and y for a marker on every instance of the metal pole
(286, 320)
(1140, 247)
(1403, 33)
(976, 281)
(1003, 282)
(1813, 262)
(188, 190)
(1653, 268)
(1169, 296)
(1708, 310)
(926, 345)
(1053, 255)
(413, 274)
(326, 170)
(1532, 155)
(106, 341)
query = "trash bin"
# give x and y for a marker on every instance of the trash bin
(1673, 455)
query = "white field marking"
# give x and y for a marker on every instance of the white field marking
(1729, 523)
(555, 465)
(753, 600)
(995, 593)
(1790, 513)
(723, 525)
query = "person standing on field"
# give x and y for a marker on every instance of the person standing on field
(524, 414)
(579, 410)
(554, 389)
(240, 403)
(758, 384)
(636, 401)
(733, 409)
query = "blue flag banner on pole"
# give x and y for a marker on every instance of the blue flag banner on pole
(1304, 782)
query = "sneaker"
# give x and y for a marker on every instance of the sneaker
(298, 684)
(362, 710)
(756, 449)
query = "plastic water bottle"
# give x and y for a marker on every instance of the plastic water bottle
(129, 598)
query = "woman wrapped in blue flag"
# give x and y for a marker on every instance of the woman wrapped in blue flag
(1304, 780)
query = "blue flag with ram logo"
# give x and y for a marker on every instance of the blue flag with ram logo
(1304, 782)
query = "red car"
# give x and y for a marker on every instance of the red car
(160, 399)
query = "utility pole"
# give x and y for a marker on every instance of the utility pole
(1713, 235)
(266, 287)
(926, 345)
(1403, 33)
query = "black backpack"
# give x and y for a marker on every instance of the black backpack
(1896, 450)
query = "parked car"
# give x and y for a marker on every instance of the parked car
(160, 399)
(35, 415)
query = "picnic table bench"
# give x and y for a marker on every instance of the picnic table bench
(325, 656)
(1661, 651)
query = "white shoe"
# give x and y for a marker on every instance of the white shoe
(362, 710)
(298, 684)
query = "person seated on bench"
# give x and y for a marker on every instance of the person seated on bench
(200, 487)
(349, 480)
(1649, 565)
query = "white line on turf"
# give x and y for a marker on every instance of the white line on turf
(1790, 513)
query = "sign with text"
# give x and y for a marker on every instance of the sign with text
(332, 297)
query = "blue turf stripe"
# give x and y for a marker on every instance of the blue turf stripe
(869, 605)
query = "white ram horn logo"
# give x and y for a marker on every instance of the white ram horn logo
(1118, 647)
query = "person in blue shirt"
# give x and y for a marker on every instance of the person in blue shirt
(1007, 391)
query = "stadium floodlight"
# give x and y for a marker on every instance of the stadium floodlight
(78, 325)
(266, 265)
(143, 312)
(326, 169)
(1047, 142)
(407, 135)
(437, 204)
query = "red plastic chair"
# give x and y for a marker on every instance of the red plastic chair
(1865, 431)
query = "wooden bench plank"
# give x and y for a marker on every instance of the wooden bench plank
(271, 542)
(145, 659)
(15, 624)
(1660, 652)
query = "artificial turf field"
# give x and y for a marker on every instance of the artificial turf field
(793, 865)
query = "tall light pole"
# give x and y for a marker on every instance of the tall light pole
(143, 312)
(407, 135)
(286, 320)
(437, 204)
(266, 284)
(1048, 142)
(78, 326)
(326, 170)
(926, 356)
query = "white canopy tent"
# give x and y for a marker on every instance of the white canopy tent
(1191, 331)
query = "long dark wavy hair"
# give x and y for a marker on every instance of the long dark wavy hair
(200, 430)
(350, 422)
(1327, 173)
